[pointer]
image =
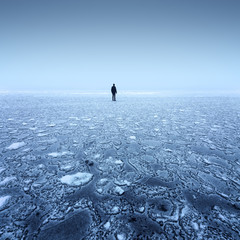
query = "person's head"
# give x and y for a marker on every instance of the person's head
(113, 84)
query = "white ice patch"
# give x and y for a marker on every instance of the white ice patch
(132, 137)
(26, 150)
(51, 125)
(86, 119)
(42, 134)
(141, 209)
(107, 225)
(119, 162)
(59, 154)
(115, 209)
(103, 181)
(121, 236)
(75, 118)
(6, 180)
(66, 168)
(4, 200)
(122, 182)
(195, 226)
(119, 190)
(16, 145)
(97, 156)
(167, 150)
(77, 179)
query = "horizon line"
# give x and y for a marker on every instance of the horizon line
(163, 93)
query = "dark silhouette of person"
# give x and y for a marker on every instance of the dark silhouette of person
(114, 92)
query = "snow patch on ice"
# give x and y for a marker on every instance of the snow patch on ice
(132, 137)
(78, 179)
(4, 200)
(16, 145)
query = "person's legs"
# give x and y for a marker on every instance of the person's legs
(114, 97)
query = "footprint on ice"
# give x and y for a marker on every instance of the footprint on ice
(16, 145)
(78, 179)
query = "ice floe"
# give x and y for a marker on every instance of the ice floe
(59, 154)
(16, 145)
(78, 179)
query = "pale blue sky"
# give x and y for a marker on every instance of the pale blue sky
(173, 45)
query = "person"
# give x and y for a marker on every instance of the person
(114, 92)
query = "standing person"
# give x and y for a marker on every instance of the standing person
(114, 92)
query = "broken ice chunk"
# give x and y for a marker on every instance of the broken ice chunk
(119, 190)
(119, 162)
(107, 225)
(115, 210)
(78, 179)
(16, 145)
(51, 125)
(132, 137)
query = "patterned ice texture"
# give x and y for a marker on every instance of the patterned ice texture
(143, 167)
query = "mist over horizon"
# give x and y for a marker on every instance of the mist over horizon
(140, 46)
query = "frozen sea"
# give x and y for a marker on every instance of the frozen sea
(143, 167)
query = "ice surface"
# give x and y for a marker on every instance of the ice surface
(81, 167)
(4, 200)
(59, 154)
(16, 145)
(77, 179)
(7, 180)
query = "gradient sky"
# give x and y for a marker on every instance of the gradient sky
(151, 45)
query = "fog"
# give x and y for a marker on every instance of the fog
(141, 46)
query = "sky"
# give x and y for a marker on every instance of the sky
(151, 45)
